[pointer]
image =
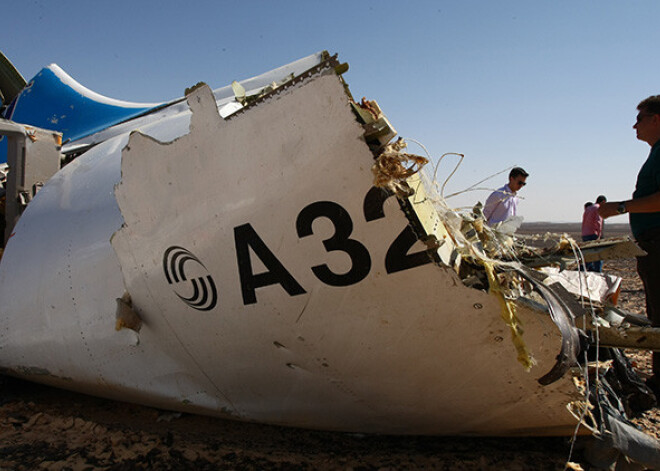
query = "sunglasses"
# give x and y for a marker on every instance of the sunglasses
(521, 183)
(641, 116)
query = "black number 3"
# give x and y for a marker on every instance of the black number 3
(360, 259)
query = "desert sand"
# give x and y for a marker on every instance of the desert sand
(51, 429)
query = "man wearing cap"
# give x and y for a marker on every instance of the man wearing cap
(644, 209)
(503, 202)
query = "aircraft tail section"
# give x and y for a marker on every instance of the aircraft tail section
(54, 100)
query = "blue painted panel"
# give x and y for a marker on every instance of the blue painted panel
(53, 100)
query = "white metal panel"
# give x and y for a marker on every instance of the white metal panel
(413, 351)
(404, 352)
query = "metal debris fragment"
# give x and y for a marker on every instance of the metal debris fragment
(393, 167)
(127, 318)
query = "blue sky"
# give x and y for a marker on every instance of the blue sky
(551, 86)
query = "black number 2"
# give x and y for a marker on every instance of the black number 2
(397, 258)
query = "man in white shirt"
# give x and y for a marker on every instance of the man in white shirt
(503, 202)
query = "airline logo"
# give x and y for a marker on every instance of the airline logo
(204, 293)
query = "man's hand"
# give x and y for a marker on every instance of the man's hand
(646, 204)
(608, 209)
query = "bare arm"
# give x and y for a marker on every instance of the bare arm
(646, 204)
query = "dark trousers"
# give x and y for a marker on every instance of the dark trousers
(592, 266)
(648, 268)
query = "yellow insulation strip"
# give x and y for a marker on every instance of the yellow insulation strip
(510, 318)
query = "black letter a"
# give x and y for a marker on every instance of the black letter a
(245, 238)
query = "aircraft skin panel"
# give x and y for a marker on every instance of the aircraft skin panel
(345, 344)
(54, 100)
(261, 284)
(66, 232)
(223, 96)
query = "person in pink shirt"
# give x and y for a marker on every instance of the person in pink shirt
(592, 229)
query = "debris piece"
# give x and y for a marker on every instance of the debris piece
(126, 316)
(594, 286)
(239, 92)
(390, 170)
(647, 338)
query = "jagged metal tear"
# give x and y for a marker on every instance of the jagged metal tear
(620, 436)
(633, 443)
(563, 318)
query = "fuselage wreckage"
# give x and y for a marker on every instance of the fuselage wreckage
(269, 252)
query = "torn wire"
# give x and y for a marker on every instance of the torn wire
(390, 170)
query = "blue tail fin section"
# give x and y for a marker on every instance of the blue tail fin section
(53, 100)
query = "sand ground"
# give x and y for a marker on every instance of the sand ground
(51, 429)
